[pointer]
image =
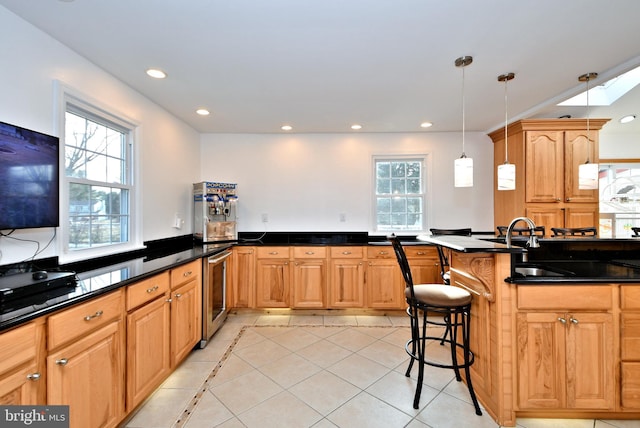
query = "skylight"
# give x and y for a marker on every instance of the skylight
(607, 93)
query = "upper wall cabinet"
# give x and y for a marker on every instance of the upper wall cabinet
(547, 153)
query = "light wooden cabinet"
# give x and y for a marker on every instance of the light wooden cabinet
(347, 274)
(424, 263)
(566, 356)
(22, 371)
(547, 153)
(242, 282)
(86, 361)
(272, 277)
(309, 277)
(148, 343)
(384, 285)
(630, 347)
(186, 309)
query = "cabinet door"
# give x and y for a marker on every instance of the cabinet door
(88, 375)
(22, 380)
(347, 284)
(541, 359)
(272, 288)
(384, 285)
(147, 349)
(186, 320)
(242, 284)
(547, 216)
(590, 361)
(309, 283)
(545, 166)
(576, 152)
(582, 215)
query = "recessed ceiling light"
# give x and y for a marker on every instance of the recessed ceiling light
(628, 118)
(203, 112)
(355, 127)
(426, 125)
(156, 73)
(286, 127)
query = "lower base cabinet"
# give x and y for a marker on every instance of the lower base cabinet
(88, 376)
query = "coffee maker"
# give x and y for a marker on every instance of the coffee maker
(214, 211)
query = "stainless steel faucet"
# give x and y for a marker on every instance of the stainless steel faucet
(533, 240)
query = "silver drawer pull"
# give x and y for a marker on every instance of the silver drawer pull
(421, 253)
(177, 296)
(273, 253)
(562, 320)
(152, 289)
(169, 300)
(33, 376)
(346, 253)
(186, 274)
(310, 253)
(573, 320)
(383, 253)
(96, 315)
(62, 362)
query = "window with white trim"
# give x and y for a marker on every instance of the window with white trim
(98, 180)
(400, 194)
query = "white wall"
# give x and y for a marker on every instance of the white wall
(169, 149)
(304, 181)
(619, 146)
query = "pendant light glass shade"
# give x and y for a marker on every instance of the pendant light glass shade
(463, 166)
(588, 172)
(506, 171)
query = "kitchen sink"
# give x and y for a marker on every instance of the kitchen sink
(536, 271)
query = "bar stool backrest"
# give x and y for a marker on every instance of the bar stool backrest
(403, 262)
(574, 231)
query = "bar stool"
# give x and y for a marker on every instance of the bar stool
(454, 304)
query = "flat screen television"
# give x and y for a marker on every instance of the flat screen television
(29, 182)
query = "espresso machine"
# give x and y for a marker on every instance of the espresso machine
(214, 211)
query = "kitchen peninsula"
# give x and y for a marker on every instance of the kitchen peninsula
(557, 335)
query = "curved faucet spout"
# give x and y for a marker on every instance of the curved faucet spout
(533, 241)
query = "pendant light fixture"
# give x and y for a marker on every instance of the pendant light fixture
(506, 171)
(588, 172)
(463, 166)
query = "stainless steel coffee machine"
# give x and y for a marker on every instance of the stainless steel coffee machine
(214, 211)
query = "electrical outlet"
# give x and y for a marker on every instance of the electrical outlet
(343, 217)
(265, 217)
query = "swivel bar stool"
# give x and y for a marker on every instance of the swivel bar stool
(454, 304)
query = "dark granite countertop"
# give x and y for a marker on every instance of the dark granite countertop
(95, 282)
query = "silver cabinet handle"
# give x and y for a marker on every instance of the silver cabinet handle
(33, 376)
(177, 296)
(421, 253)
(562, 320)
(186, 274)
(169, 300)
(383, 253)
(62, 362)
(273, 253)
(568, 199)
(96, 315)
(346, 253)
(152, 289)
(573, 320)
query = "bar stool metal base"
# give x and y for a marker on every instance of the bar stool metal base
(454, 318)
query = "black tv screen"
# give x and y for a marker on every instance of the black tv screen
(29, 182)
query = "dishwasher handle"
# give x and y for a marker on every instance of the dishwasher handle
(219, 257)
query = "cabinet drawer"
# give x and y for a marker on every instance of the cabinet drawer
(380, 252)
(147, 290)
(273, 252)
(18, 346)
(414, 252)
(565, 297)
(186, 272)
(630, 336)
(309, 252)
(347, 252)
(77, 321)
(630, 297)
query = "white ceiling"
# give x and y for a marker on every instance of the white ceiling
(321, 65)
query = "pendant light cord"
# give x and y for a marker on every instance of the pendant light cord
(588, 130)
(506, 121)
(463, 118)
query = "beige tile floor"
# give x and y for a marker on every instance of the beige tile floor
(316, 371)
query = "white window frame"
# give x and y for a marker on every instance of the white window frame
(69, 96)
(425, 160)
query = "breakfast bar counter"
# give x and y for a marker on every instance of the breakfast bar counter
(552, 340)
